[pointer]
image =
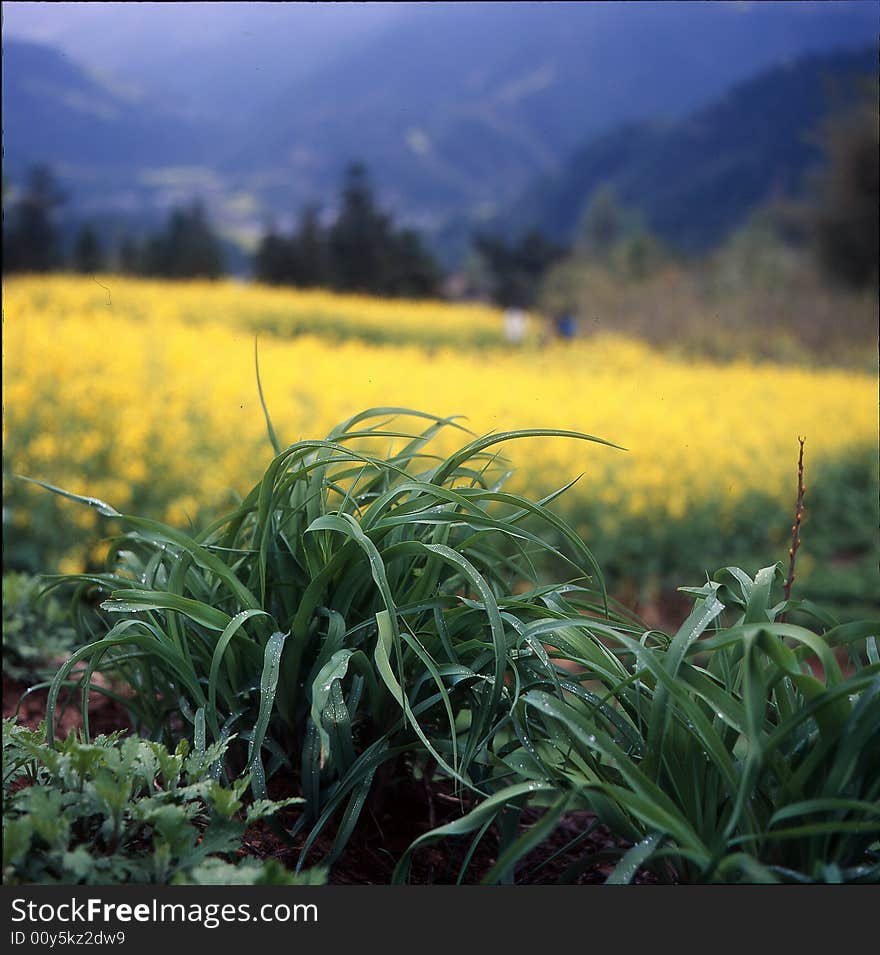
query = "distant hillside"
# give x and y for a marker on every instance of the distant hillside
(695, 180)
(55, 111)
(455, 107)
(214, 60)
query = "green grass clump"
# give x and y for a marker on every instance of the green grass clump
(125, 810)
(362, 611)
(371, 611)
(743, 753)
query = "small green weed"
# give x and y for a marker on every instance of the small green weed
(37, 630)
(125, 810)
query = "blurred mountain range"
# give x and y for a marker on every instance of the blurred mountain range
(467, 115)
(695, 180)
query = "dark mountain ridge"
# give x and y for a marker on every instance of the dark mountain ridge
(458, 108)
(695, 180)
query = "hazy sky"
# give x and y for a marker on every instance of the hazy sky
(120, 36)
(111, 34)
(80, 26)
(213, 57)
(188, 52)
(129, 37)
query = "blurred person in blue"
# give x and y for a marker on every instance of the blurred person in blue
(565, 325)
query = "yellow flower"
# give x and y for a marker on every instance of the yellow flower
(167, 417)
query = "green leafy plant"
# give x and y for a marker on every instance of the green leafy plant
(125, 810)
(37, 630)
(743, 753)
(367, 602)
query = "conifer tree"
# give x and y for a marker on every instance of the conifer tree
(88, 255)
(32, 242)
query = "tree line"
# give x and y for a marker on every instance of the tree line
(360, 251)
(363, 250)
(186, 247)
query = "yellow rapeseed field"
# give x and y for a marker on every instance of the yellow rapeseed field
(148, 400)
(256, 308)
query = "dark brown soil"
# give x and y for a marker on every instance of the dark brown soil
(411, 810)
(105, 714)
